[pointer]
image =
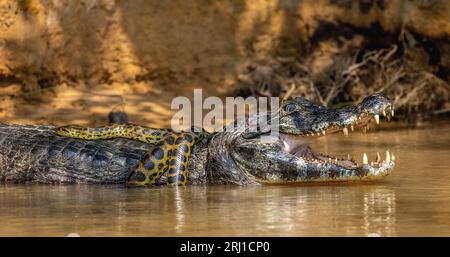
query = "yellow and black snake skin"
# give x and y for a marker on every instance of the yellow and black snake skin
(169, 150)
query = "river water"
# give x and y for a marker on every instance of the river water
(413, 200)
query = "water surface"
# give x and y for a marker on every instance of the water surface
(413, 200)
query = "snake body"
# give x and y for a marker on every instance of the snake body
(168, 151)
(129, 131)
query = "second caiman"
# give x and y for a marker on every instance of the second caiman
(47, 154)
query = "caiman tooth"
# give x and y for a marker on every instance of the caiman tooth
(365, 160)
(323, 132)
(348, 157)
(393, 157)
(377, 119)
(388, 156)
(352, 128)
(378, 159)
(345, 130)
(371, 163)
(384, 113)
(392, 112)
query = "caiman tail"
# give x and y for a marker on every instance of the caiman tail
(32, 153)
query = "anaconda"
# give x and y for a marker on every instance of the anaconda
(137, 155)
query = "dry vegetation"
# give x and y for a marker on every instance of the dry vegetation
(349, 79)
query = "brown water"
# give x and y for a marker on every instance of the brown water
(413, 200)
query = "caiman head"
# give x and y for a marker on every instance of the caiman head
(238, 156)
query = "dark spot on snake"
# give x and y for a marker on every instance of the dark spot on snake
(169, 140)
(182, 168)
(158, 153)
(181, 177)
(179, 140)
(172, 171)
(149, 165)
(183, 158)
(160, 166)
(188, 138)
(172, 162)
(137, 176)
(185, 148)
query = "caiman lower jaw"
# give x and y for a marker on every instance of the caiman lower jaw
(298, 145)
(350, 163)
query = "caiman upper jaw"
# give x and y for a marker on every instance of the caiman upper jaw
(302, 117)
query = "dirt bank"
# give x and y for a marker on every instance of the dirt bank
(72, 61)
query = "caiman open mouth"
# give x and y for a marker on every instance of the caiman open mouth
(298, 144)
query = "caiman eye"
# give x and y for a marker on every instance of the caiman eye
(289, 108)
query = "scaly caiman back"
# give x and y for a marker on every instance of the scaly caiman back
(32, 153)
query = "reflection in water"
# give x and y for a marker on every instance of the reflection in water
(379, 212)
(179, 208)
(414, 200)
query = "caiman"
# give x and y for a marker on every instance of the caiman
(137, 155)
